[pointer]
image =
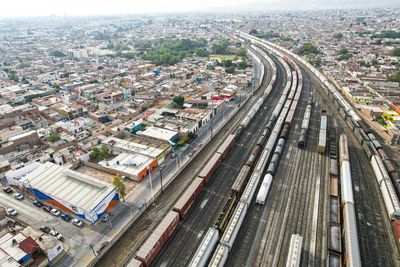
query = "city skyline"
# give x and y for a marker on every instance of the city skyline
(24, 8)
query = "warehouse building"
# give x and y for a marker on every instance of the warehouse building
(68, 190)
(160, 134)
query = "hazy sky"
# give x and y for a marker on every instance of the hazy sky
(103, 7)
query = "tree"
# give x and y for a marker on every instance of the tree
(241, 52)
(242, 64)
(309, 48)
(179, 101)
(119, 185)
(53, 137)
(395, 77)
(95, 153)
(338, 36)
(58, 53)
(230, 69)
(395, 52)
(201, 52)
(253, 32)
(103, 153)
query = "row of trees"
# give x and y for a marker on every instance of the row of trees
(230, 66)
(264, 35)
(172, 51)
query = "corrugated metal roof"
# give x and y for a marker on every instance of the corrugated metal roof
(76, 188)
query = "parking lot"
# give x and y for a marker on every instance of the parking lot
(76, 239)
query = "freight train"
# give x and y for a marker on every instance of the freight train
(349, 226)
(388, 184)
(283, 114)
(153, 244)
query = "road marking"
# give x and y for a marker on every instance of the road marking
(203, 204)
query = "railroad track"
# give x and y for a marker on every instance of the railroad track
(182, 245)
(124, 248)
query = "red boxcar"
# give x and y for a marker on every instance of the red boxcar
(226, 145)
(153, 244)
(210, 167)
(188, 197)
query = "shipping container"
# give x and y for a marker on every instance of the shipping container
(334, 260)
(264, 189)
(322, 141)
(188, 197)
(346, 183)
(343, 149)
(153, 244)
(210, 167)
(333, 167)
(351, 246)
(334, 209)
(295, 250)
(334, 186)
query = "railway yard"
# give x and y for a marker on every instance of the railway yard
(300, 188)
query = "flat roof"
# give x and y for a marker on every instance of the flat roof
(7, 260)
(6, 244)
(158, 133)
(129, 163)
(21, 135)
(78, 189)
(133, 147)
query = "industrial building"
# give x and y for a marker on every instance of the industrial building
(68, 190)
(133, 166)
(160, 134)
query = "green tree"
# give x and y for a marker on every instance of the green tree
(241, 52)
(395, 52)
(338, 36)
(119, 186)
(395, 77)
(308, 48)
(201, 52)
(95, 153)
(242, 64)
(230, 69)
(53, 137)
(179, 101)
(58, 53)
(103, 153)
(253, 32)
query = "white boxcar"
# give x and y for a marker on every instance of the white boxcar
(229, 236)
(294, 255)
(220, 256)
(264, 189)
(206, 248)
(346, 183)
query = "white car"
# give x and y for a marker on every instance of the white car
(77, 222)
(56, 234)
(11, 212)
(55, 212)
(18, 196)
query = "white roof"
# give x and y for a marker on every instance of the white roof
(7, 260)
(21, 135)
(129, 163)
(158, 133)
(6, 244)
(132, 147)
(78, 189)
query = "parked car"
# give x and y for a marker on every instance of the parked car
(19, 196)
(173, 155)
(190, 141)
(7, 190)
(46, 208)
(11, 212)
(55, 212)
(37, 203)
(66, 217)
(77, 222)
(56, 234)
(45, 229)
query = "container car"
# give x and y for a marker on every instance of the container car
(322, 134)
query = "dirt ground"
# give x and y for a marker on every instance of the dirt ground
(105, 177)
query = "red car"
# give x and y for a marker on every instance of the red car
(46, 208)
